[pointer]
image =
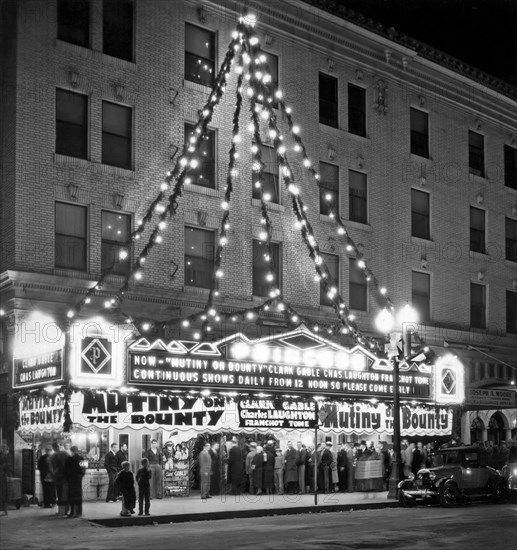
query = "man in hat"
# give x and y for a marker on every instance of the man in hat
(235, 466)
(74, 473)
(205, 470)
(155, 458)
(47, 481)
(112, 467)
(291, 458)
(324, 462)
(249, 472)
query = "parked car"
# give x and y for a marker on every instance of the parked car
(457, 474)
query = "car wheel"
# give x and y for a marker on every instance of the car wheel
(405, 500)
(449, 495)
(500, 492)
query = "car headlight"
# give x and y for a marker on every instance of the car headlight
(432, 476)
(411, 477)
(515, 472)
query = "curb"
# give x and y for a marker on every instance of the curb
(234, 514)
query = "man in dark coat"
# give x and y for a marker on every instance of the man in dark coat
(57, 465)
(302, 459)
(291, 457)
(155, 458)
(235, 467)
(215, 479)
(112, 467)
(74, 473)
(342, 469)
(47, 481)
(324, 463)
(122, 455)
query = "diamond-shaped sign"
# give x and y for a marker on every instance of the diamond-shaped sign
(448, 381)
(95, 355)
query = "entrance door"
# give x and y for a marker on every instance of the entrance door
(496, 430)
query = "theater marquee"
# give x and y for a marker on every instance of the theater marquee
(298, 362)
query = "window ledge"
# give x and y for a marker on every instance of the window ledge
(117, 62)
(195, 86)
(510, 263)
(72, 273)
(420, 240)
(479, 255)
(196, 290)
(418, 158)
(115, 171)
(270, 205)
(357, 225)
(203, 190)
(358, 137)
(65, 160)
(474, 178)
(512, 190)
(95, 55)
(327, 219)
(332, 131)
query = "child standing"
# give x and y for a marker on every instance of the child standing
(126, 483)
(143, 477)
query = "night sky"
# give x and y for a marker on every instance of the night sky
(482, 33)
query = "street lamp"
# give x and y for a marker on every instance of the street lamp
(385, 322)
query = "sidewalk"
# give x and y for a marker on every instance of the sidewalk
(193, 508)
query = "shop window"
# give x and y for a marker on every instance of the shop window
(117, 28)
(419, 123)
(511, 239)
(332, 263)
(358, 287)
(476, 154)
(71, 124)
(73, 22)
(269, 177)
(70, 236)
(510, 167)
(420, 219)
(356, 110)
(329, 188)
(357, 197)
(477, 306)
(204, 173)
(199, 257)
(511, 312)
(266, 274)
(477, 230)
(115, 229)
(328, 100)
(199, 55)
(116, 135)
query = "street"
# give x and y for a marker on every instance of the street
(474, 527)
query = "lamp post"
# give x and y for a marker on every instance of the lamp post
(385, 322)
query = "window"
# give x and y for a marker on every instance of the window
(510, 167)
(476, 154)
(421, 294)
(115, 230)
(73, 22)
(117, 29)
(357, 286)
(477, 230)
(269, 176)
(116, 135)
(357, 197)
(419, 122)
(420, 214)
(199, 257)
(328, 100)
(272, 68)
(332, 263)
(70, 237)
(329, 188)
(71, 124)
(204, 173)
(511, 239)
(263, 269)
(199, 55)
(477, 306)
(511, 312)
(356, 110)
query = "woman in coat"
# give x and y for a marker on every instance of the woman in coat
(257, 469)
(74, 473)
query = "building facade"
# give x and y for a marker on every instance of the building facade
(416, 152)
